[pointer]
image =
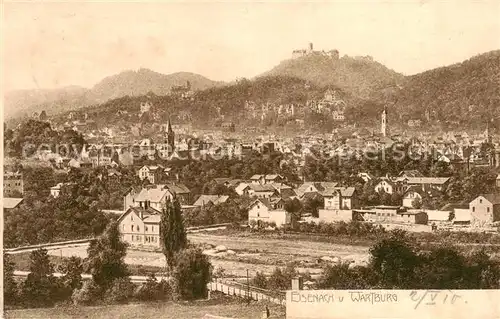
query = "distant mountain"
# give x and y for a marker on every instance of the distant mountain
(132, 83)
(359, 76)
(143, 81)
(467, 92)
(20, 103)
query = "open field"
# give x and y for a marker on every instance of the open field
(255, 254)
(165, 310)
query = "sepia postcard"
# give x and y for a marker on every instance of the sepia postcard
(239, 159)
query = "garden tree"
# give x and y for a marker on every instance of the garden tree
(394, 260)
(480, 181)
(154, 290)
(482, 272)
(172, 232)
(9, 284)
(396, 199)
(40, 288)
(120, 291)
(260, 280)
(441, 169)
(342, 276)
(293, 207)
(368, 196)
(105, 257)
(417, 203)
(385, 198)
(278, 280)
(441, 268)
(72, 269)
(192, 273)
(312, 205)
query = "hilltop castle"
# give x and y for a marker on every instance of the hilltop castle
(334, 54)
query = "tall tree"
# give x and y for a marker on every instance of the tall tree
(9, 284)
(39, 288)
(105, 257)
(172, 232)
(192, 273)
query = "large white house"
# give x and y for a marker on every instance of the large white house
(140, 226)
(264, 210)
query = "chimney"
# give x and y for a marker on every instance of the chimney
(146, 204)
(141, 214)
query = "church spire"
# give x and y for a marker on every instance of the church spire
(383, 127)
(170, 135)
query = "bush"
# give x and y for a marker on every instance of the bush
(260, 280)
(87, 295)
(153, 290)
(121, 291)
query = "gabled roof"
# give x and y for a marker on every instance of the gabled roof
(11, 202)
(154, 195)
(256, 177)
(214, 199)
(136, 189)
(427, 180)
(149, 215)
(177, 188)
(221, 180)
(272, 176)
(411, 173)
(320, 186)
(452, 206)
(344, 191)
(492, 198)
(262, 188)
(241, 187)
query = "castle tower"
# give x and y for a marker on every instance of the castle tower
(383, 127)
(170, 136)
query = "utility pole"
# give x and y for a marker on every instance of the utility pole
(248, 289)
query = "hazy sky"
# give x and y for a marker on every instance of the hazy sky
(56, 44)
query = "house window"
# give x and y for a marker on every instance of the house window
(480, 201)
(132, 227)
(138, 228)
(473, 209)
(488, 209)
(131, 217)
(145, 228)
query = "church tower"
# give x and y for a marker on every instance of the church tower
(383, 127)
(487, 133)
(170, 136)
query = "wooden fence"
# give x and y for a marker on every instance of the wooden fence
(250, 292)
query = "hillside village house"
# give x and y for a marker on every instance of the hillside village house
(269, 211)
(266, 179)
(427, 183)
(242, 189)
(315, 187)
(140, 226)
(156, 196)
(13, 184)
(485, 210)
(341, 198)
(388, 186)
(261, 190)
(153, 173)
